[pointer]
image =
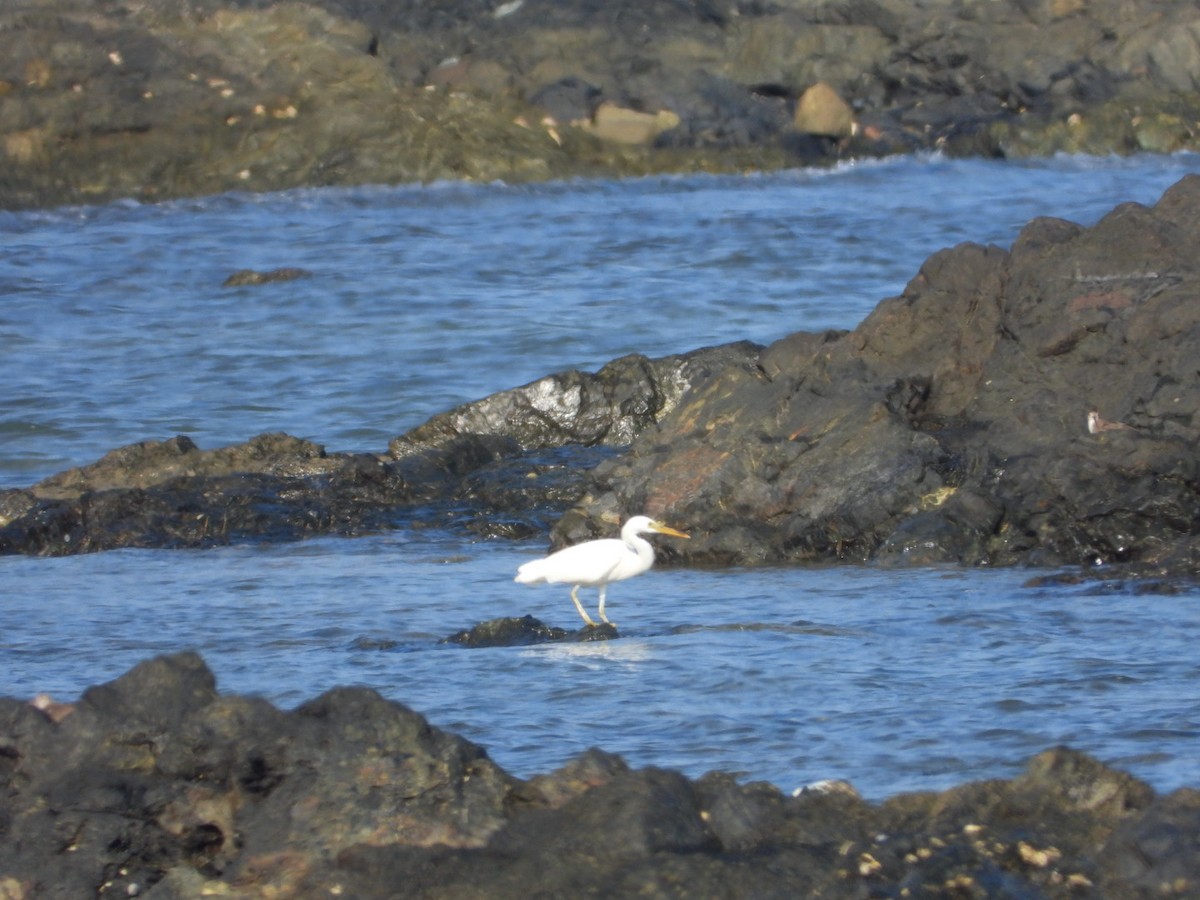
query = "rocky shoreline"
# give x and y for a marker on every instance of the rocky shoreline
(157, 785)
(1025, 406)
(1032, 406)
(153, 99)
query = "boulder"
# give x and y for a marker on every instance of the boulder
(609, 407)
(610, 122)
(821, 111)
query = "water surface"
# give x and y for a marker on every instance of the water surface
(114, 327)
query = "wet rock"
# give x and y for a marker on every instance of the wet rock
(275, 487)
(526, 630)
(159, 785)
(520, 496)
(953, 423)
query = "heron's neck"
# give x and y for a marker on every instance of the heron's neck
(641, 547)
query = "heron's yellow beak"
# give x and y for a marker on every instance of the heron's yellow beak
(663, 529)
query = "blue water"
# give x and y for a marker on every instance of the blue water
(114, 327)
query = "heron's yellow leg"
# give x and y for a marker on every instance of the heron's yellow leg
(603, 617)
(579, 606)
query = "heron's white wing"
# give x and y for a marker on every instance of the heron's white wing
(590, 563)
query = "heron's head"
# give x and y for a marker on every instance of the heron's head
(647, 525)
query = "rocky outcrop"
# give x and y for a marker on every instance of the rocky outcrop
(156, 778)
(165, 98)
(1033, 405)
(157, 785)
(1036, 405)
(514, 460)
(273, 487)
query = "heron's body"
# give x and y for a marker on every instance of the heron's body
(598, 563)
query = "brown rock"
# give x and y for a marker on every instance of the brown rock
(821, 111)
(628, 126)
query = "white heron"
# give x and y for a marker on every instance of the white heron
(598, 563)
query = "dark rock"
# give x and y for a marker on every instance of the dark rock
(158, 785)
(724, 114)
(507, 632)
(245, 277)
(172, 493)
(568, 99)
(952, 425)
(520, 496)
(1158, 852)
(526, 630)
(156, 773)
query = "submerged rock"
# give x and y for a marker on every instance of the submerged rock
(248, 277)
(158, 785)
